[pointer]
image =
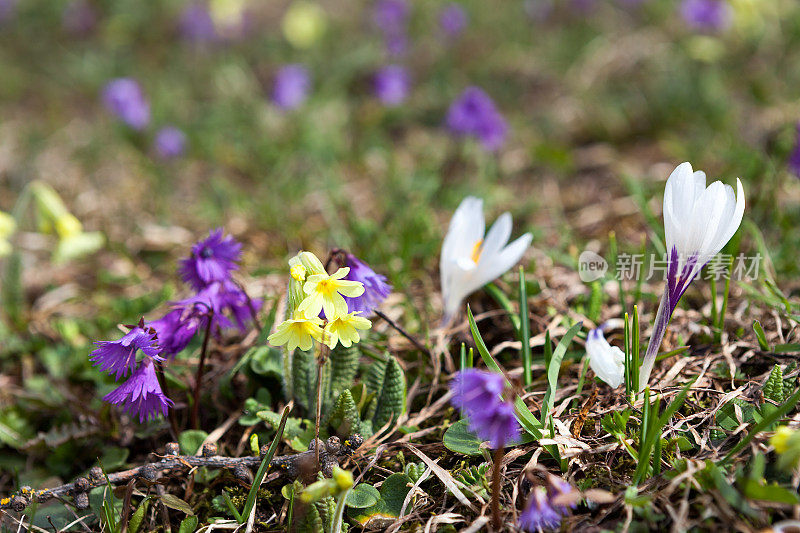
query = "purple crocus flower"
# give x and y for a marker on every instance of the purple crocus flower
(474, 113)
(118, 358)
(196, 24)
(292, 84)
(391, 16)
(539, 513)
(707, 15)
(124, 98)
(391, 85)
(376, 288)
(212, 259)
(170, 142)
(79, 17)
(477, 394)
(794, 158)
(141, 394)
(453, 19)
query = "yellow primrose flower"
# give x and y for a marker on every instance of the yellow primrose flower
(325, 293)
(344, 329)
(298, 272)
(303, 24)
(298, 331)
(780, 440)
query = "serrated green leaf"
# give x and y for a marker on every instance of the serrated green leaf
(773, 387)
(392, 398)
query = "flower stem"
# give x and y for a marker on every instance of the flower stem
(498, 459)
(659, 329)
(199, 378)
(402, 332)
(173, 423)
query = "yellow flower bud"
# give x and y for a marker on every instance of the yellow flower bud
(298, 272)
(7, 225)
(68, 226)
(343, 478)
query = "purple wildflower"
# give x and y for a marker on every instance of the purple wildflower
(474, 113)
(177, 328)
(794, 158)
(539, 513)
(196, 24)
(707, 15)
(79, 17)
(118, 358)
(376, 288)
(141, 395)
(396, 44)
(391, 85)
(212, 259)
(391, 16)
(7, 8)
(560, 494)
(476, 393)
(169, 142)
(453, 19)
(292, 84)
(124, 98)
(218, 300)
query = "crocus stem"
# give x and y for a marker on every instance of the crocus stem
(498, 459)
(402, 332)
(199, 378)
(659, 328)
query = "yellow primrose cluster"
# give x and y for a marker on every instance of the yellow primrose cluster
(312, 291)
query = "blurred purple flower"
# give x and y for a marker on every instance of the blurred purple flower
(7, 8)
(558, 489)
(396, 44)
(707, 15)
(391, 85)
(794, 158)
(118, 358)
(79, 17)
(141, 395)
(170, 142)
(474, 113)
(376, 288)
(212, 259)
(453, 19)
(539, 514)
(583, 6)
(477, 394)
(292, 84)
(125, 99)
(539, 10)
(196, 24)
(390, 16)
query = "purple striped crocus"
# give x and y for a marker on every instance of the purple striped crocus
(698, 222)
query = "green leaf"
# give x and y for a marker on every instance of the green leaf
(760, 336)
(173, 502)
(191, 440)
(768, 420)
(773, 387)
(769, 492)
(393, 494)
(266, 361)
(362, 496)
(344, 367)
(344, 417)
(458, 438)
(553, 368)
(392, 398)
(138, 516)
(188, 525)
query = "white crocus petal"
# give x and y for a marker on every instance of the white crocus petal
(606, 361)
(469, 259)
(699, 220)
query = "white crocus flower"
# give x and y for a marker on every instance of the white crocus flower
(607, 362)
(471, 259)
(698, 222)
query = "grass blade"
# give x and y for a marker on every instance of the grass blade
(524, 330)
(553, 368)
